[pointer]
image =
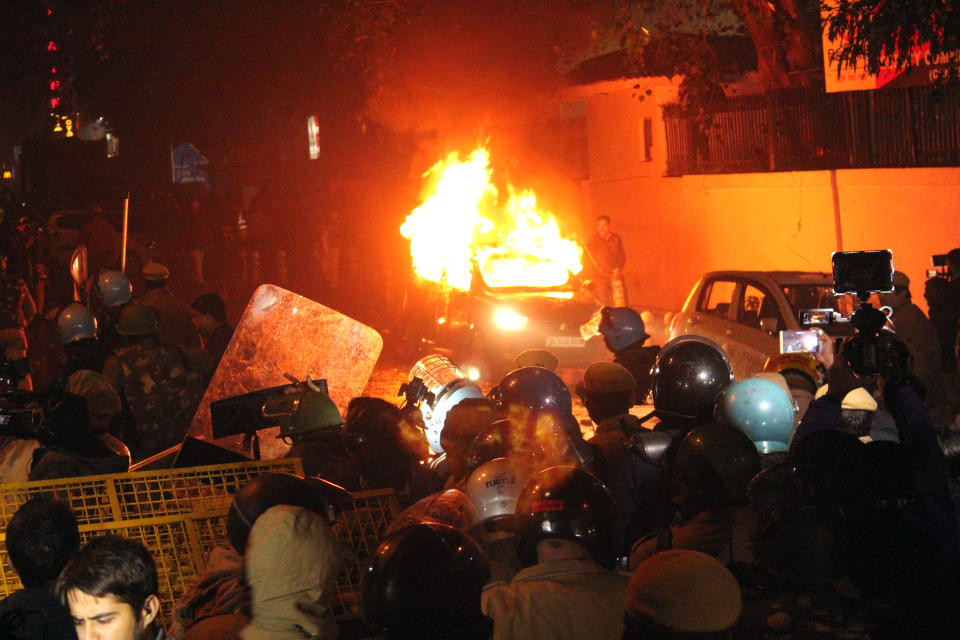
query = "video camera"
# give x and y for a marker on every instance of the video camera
(940, 270)
(872, 351)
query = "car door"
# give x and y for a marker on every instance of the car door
(749, 344)
(712, 315)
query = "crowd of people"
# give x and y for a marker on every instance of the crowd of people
(804, 501)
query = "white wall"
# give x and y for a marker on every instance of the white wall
(674, 229)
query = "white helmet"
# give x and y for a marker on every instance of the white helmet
(495, 486)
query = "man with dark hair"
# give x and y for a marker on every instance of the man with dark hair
(209, 318)
(111, 589)
(605, 250)
(42, 537)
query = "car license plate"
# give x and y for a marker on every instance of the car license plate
(565, 341)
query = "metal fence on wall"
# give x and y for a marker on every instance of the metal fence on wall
(808, 129)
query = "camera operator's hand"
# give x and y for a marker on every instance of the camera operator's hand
(840, 377)
(824, 353)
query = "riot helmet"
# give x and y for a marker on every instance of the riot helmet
(760, 409)
(689, 374)
(137, 320)
(75, 322)
(496, 484)
(568, 503)
(621, 327)
(114, 288)
(301, 413)
(715, 463)
(269, 490)
(535, 391)
(451, 507)
(507, 439)
(424, 581)
(371, 422)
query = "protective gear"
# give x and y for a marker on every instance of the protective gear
(75, 322)
(452, 507)
(797, 362)
(683, 591)
(690, 373)
(426, 578)
(760, 409)
(114, 288)
(567, 503)
(270, 489)
(371, 422)
(535, 389)
(506, 439)
(137, 320)
(302, 412)
(715, 463)
(858, 399)
(495, 486)
(621, 327)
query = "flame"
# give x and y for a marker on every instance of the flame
(455, 225)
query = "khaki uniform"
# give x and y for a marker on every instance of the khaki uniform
(173, 318)
(565, 599)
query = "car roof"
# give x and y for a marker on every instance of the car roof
(779, 277)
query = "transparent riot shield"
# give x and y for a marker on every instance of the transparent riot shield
(284, 333)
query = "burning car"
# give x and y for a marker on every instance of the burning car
(494, 278)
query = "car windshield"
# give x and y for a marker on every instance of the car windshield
(817, 296)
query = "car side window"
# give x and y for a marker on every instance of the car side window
(718, 297)
(755, 304)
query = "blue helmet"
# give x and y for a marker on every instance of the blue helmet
(536, 389)
(621, 327)
(762, 410)
(75, 322)
(114, 288)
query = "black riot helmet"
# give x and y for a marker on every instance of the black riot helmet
(506, 439)
(424, 581)
(535, 390)
(568, 503)
(715, 463)
(689, 374)
(271, 489)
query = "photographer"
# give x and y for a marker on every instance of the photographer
(943, 298)
(915, 330)
(901, 530)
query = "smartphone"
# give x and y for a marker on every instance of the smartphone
(862, 272)
(793, 341)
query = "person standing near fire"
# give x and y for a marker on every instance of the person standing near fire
(605, 250)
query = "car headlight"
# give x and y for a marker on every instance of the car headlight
(510, 320)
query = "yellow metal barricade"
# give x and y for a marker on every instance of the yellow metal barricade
(180, 516)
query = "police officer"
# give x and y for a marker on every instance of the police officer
(173, 314)
(624, 334)
(714, 465)
(607, 391)
(568, 588)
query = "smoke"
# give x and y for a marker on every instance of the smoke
(488, 71)
(468, 70)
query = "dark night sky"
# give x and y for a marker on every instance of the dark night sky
(232, 75)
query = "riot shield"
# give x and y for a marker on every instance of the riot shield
(280, 333)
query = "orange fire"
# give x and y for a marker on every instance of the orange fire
(461, 220)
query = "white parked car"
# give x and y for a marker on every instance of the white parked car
(744, 311)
